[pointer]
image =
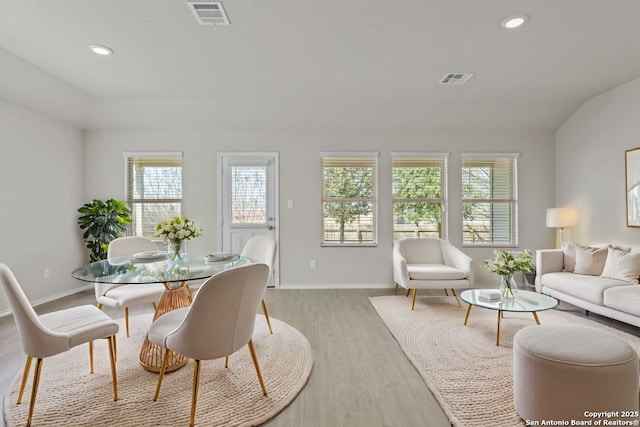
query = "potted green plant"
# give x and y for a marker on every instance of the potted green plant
(102, 221)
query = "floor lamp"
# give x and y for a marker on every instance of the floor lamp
(561, 218)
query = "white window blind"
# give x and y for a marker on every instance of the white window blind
(489, 199)
(349, 199)
(419, 188)
(154, 189)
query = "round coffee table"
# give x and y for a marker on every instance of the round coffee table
(524, 302)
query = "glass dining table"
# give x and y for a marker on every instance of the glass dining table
(156, 267)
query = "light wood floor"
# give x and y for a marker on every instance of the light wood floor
(360, 377)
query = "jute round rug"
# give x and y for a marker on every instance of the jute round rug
(467, 373)
(70, 396)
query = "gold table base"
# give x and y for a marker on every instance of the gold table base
(151, 355)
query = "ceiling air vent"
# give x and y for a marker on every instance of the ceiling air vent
(456, 78)
(209, 13)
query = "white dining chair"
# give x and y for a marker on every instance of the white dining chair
(125, 296)
(219, 322)
(56, 332)
(262, 249)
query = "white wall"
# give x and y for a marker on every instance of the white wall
(41, 176)
(300, 181)
(590, 169)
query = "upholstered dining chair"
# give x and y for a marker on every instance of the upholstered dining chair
(219, 322)
(262, 249)
(427, 263)
(118, 296)
(56, 332)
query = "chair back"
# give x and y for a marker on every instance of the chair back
(261, 249)
(129, 245)
(221, 318)
(421, 250)
(123, 246)
(36, 339)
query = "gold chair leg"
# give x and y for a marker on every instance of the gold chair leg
(25, 375)
(446, 293)
(126, 320)
(455, 295)
(163, 368)
(255, 363)
(91, 357)
(408, 290)
(112, 357)
(415, 293)
(99, 306)
(226, 361)
(34, 390)
(266, 315)
(194, 393)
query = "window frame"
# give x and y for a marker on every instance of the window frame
(358, 159)
(130, 159)
(511, 199)
(424, 160)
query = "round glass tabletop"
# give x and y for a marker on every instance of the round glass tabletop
(138, 270)
(524, 302)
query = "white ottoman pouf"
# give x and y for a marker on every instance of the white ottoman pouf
(562, 371)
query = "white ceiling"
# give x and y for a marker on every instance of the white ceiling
(327, 64)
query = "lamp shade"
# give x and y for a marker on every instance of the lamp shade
(562, 217)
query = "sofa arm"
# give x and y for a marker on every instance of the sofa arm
(548, 261)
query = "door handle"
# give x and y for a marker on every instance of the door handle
(270, 227)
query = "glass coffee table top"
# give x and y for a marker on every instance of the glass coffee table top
(524, 302)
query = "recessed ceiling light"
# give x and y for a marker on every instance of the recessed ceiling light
(100, 49)
(514, 21)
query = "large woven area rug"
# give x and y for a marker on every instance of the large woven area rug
(467, 373)
(70, 396)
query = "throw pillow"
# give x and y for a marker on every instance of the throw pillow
(622, 265)
(569, 252)
(590, 260)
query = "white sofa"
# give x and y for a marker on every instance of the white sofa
(602, 279)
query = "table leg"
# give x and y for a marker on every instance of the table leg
(535, 316)
(151, 355)
(498, 329)
(467, 316)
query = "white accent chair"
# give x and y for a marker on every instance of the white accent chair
(262, 249)
(426, 263)
(218, 323)
(118, 296)
(56, 332)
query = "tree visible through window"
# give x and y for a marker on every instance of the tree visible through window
(419, 195)
(349, 206)
(489, 199)
(154, 189)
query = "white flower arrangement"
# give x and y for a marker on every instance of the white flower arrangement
(176, 230)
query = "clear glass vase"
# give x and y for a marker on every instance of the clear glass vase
(508, 287)
(177, 249)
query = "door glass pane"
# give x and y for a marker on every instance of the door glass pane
(248, 195)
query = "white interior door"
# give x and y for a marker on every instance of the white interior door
(248, 200)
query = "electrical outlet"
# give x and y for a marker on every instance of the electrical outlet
(47, 273)
(313, 264)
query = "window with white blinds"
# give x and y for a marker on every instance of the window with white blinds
(154, 189)
(419, 188)
(489, 199)
(349, 199)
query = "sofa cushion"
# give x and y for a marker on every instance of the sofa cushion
(569, 253)
(590, 260)
(434, 272)
(588, 288)
(623, 298)
(622, 265)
